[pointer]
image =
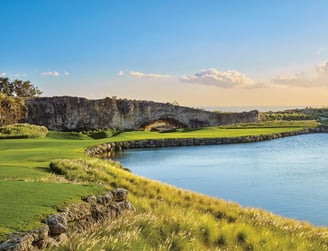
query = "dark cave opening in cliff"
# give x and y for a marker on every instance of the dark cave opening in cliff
(162, 125)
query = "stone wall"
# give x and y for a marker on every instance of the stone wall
(74, 113)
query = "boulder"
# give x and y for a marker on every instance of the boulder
(57, 224)
(120, 194)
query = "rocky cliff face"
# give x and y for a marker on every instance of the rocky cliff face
(74, 113)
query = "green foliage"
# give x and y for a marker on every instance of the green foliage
(286, 115)
(18, 88)
(102, 134)
(297, 114)
(324, 123)
(316, 113)
(18, 131)
(12, 109)
(275, 124)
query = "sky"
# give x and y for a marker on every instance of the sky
(196, 53)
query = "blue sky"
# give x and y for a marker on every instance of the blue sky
(196, 52)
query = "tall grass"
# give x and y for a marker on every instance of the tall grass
(168, 218)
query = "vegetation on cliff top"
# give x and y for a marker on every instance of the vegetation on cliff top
(12, 103)
(297, 114)
(166, 218)
(12, 109)
(18, 88)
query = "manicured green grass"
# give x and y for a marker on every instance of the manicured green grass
(208, 132)
(21, 158)
(25, 204)
(67, 135)
(28, 160)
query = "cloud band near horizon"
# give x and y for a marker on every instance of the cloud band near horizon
(235, 79)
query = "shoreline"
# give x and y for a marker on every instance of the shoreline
(109, 149)
(41, 234)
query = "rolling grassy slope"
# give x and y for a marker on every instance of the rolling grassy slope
(167, 218)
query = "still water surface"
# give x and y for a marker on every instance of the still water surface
(287, 176)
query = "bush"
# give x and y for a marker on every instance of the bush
(19, 131)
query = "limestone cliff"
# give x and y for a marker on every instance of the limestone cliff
(75, 113)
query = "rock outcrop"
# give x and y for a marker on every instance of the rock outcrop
(77, 217)
(74, 113)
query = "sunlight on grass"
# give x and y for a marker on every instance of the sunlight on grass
(168, 218)
(25, 204)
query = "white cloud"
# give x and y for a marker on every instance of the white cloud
(2, 74)
(222, 79)
(322, 68)
(66, 73)
(120, 73)
(50, 74)
(138, 74)
(316, 78)
(17, 75)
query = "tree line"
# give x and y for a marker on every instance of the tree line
(18, 88)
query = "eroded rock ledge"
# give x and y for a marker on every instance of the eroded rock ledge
(77, 217)
(109, 149)
(75, 113)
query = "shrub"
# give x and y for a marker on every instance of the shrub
(18, 131)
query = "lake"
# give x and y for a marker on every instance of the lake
(287, 176)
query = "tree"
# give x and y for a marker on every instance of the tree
(18, 88)
(12, 109)
(6, 86)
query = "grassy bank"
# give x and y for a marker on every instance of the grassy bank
(173, 219)
(167, 218)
